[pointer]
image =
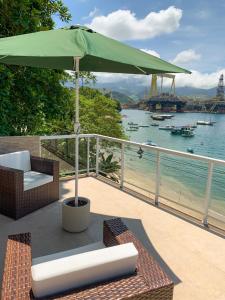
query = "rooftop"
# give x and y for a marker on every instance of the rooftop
(192, 256)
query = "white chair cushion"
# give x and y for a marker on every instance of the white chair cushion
(16, 160)
(62, 273)
(34, 179)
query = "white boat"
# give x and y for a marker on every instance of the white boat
(166, 116)
(167, 127)
(157, 117)
(150, 143)
(187, 133)
(205, 123)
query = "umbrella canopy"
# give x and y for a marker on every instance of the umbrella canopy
(81, 49)
(56, 49)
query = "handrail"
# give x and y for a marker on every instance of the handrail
(154, 148)
(158, 151)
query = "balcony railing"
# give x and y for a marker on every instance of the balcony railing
(186, 182)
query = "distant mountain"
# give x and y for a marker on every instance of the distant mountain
(196, 92)
(123, 98)
(126, 87)
(133, 89)
(137, 91)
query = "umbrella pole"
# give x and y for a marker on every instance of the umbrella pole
(76, 127)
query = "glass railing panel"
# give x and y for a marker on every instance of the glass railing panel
(217, 201)
(62, 150)
(139, 169)
(110, 160)
(183, 181)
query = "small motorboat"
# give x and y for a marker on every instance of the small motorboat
(150, 143)
(132, 129)
(165, 116)
(158, 117)
(176, 131)
(132, 123)
(167, 127)
(187, 133)
(205, 123)
(155, 124)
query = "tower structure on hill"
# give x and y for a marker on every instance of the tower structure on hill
(220, 88)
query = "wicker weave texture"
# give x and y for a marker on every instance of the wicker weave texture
(149, 282)
(14, 201)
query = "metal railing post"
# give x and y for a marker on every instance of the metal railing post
(208, 194)
(88, 156)
(157, 178)
(122, 166)
(40, 148)
(97, 156)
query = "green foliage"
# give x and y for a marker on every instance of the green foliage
(35, 101)
(99, 114)
(32, 100)
(107, 164)
(25, 16)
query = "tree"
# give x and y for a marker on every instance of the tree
(36, 101)
(99, 114)
(32, 100)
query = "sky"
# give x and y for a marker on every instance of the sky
(189, 33)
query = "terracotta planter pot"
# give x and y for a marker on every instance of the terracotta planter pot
(75, 219)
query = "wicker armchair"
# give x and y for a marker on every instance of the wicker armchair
(149, 281)
(14, 201)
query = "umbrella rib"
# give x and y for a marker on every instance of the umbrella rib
(2, 57)
(141, 70)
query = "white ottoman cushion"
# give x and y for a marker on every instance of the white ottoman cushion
(16, 160)
(62, 273)
(34, 179)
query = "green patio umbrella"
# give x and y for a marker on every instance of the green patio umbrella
(79, 48)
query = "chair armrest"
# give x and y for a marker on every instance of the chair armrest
(116, 232)
(16, 282)
(11, 180)
(44, 165)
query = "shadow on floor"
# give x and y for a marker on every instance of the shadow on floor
(176, 213)
(49, 237)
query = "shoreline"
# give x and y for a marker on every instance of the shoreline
(144, 183)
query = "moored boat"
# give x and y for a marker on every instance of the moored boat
(176, 131)
(150, 143)
(158, 117)
(210, 123)
(187, 133)
(132, 123)
(167, 127)
(166, 116)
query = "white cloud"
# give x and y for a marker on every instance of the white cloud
(152, 52)
(186, 57)
(111, 78)
(196, 79)
(92, 13)
(124, 25)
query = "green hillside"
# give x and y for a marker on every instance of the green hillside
(122, 98)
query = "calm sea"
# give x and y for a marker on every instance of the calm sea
(184, 180)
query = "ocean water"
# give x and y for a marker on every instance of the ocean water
(182, 180)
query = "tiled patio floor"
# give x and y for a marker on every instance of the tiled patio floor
(192, 256)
